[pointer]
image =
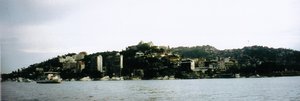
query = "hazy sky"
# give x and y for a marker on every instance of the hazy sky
(35, 30)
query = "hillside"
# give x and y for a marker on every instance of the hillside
(250, 59)
(149, 61)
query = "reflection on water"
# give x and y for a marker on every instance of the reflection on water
(249, 89)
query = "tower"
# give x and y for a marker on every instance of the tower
(121, 61)
(100, 63)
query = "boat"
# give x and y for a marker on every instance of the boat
(19, 79)
(237, 76)
(172, 77)
(105, 78)
(52, 77)
(27, 80)
(255, 76)
(86, 79)
(116, 78)
(136, 78)
(72, 79)
(166, 78)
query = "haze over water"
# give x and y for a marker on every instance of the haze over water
(242, 89)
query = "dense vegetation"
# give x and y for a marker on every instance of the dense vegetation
(254, 59)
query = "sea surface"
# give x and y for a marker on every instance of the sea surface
(237, 89)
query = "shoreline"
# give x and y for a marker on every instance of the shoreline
(164, 79)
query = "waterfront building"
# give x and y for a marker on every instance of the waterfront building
(211, 64)
(187, 65)
(79, 60)
(114, 65)
(99, 63)
(121, 61)
(80, 65)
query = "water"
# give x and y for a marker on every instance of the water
(245, 89)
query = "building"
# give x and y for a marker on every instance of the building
(121, 61)
(114, 65)
(68, 62)
(80, 65)
(187, 65)
(139, 54)
(225, 63)
(79, 56)
(99, 60)
(74, 62)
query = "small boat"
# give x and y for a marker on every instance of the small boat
(27, 80)
(19, 79)
(166, 78)
(136, 78)
(86, 79)
(105, 78)
(52, 77)
(116, 78)
(255, 76)
(172, 78)
(237, 76)
(72, 79)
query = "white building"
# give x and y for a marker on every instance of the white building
(100, 63)
(121, 61)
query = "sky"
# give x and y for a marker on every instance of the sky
(33, 31)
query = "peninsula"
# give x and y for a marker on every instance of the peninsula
(148, 61)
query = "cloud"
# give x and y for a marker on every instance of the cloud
(40, 50)
(22, 12)
(26, 22)
(22, 40)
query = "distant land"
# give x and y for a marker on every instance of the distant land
(148, 61)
